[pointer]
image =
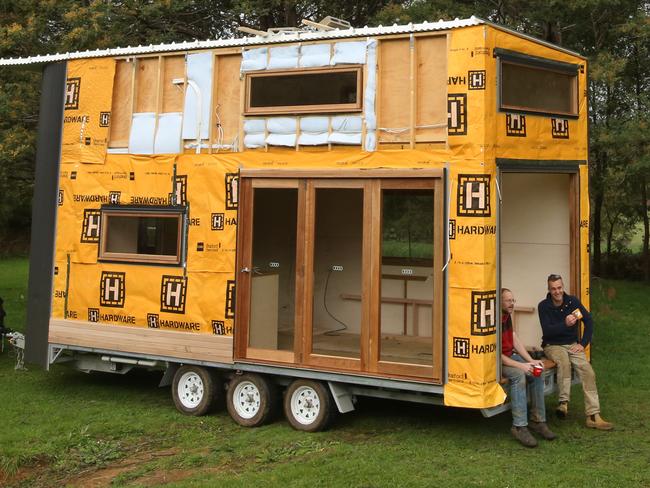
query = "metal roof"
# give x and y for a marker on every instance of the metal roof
(281, 37)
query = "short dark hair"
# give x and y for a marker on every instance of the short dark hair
(553, 277)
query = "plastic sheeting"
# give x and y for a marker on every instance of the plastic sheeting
(349, 53)
(168, 134)
(199, 71)
(283, 57)
(254, 59)
(314, 55)
(141, 138)
(369, 97)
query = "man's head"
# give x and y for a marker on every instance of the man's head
(507, 301)
(556, 288)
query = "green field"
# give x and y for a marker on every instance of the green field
(65, 428)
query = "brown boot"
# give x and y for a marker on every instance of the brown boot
(595, 421)
(542, 429)
(523, 435)
(562, 410)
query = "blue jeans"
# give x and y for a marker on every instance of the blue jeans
(518, 400)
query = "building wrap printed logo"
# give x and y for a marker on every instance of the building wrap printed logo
(473, 198)
(457, 114)
(515, 125)
(452, 228)
(476, 79)
(219, 327)
(114, 197)
(153, 320)
(484, 313)
(461, 347)
(72, 89)
(230, 299)
(232, 191)
(112, 289)
(560, 128)
(104, 119)
(93, 315)
(179, 196)
(173, 292)
(90, 226)
(59, 199)
(217, 221)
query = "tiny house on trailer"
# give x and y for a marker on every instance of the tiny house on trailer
(323, 213)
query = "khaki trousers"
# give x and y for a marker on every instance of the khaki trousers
(564, 359)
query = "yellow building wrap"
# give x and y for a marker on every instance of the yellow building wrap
(87, 113)
(480, 136)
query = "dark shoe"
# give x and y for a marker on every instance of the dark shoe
(562, 410)
(542, 429)
(597, 422)
(523, 435)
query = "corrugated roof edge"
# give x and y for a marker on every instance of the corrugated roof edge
(271, 39)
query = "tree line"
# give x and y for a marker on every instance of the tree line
(613, 34)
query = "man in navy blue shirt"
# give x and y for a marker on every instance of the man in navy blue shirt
(560, 315)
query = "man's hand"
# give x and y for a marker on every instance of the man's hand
(526, 367)
(576, 348)
(570, 320)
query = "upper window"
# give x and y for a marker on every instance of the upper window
(534, 85)
(141, 235)
(300, 91)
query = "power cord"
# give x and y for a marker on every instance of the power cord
(335, 331)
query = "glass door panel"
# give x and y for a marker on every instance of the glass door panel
(337, 306)
(273, 271)
(407, 276)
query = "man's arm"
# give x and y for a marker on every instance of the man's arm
(521, 350)
(588, 326)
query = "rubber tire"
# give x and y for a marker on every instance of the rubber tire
(211, 389)
(269, 399)
(327, 407)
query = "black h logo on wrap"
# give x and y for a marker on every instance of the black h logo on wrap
(476, 79)
(59, 200)
(218, 327)
(461, 347)
(560, 128)
(153, 321)
(457, 114)
(104, 119)
(216, 221)
(90, 227)
(452, 229)
(515, 125)
(93, 315)
(114, 197)
(179, 197)
(72, 89)
(484, 313)
(173, 290)
(473, 196)
(112, 289)
(232, 191)
(230, 299)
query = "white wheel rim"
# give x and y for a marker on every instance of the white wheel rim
(246, 399)
(190, 390)
(305, 405)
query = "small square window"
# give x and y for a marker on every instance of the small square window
(146, 235)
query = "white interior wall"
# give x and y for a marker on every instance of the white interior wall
(535, 242)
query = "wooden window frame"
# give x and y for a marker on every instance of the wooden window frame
(167, 212)
(537, 111)
(301, 109)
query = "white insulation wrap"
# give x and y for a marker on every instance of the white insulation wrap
(168, 134)
(198, 95)
(283, 57)
(281, 131)
(141, 137)
(254, 59)
(346, 129)
(254, 133)
(314, 55)
(349, 53)
(370, 95)
(313, 131)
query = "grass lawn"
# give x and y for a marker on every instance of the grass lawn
(63, 427)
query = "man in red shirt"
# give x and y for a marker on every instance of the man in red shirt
(517, 367)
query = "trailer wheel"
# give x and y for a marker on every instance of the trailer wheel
(194, 390)
(252, 399)
(308, 405)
